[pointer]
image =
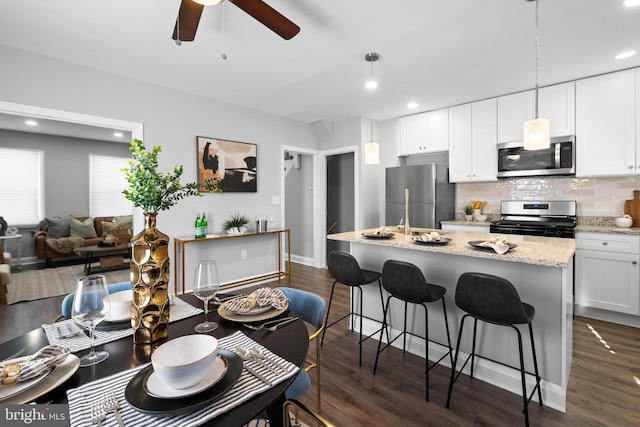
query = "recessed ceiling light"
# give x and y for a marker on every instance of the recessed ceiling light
(626, 54)
(631, 3)
(412, 105)
(371, 84)
(118, 135)
(31, 122)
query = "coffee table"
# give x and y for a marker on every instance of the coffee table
(93, 254)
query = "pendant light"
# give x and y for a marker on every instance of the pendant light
(371, 149)
(537, 131)
(207, 2)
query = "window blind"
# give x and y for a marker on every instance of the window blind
(106, 184)
(21, 188)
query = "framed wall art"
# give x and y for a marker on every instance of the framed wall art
(234, 163)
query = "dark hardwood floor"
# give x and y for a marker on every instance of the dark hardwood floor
(604, 386)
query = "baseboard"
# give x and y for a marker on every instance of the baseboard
(302, 260)
(553, 396)
(607, 316)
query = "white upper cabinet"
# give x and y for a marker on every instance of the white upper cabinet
(513, 111)
(558, 104)
(606, 125)
(423, 133)
(473, 153)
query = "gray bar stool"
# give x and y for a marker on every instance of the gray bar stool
(405, 281)
(344, 268)
(495, 300)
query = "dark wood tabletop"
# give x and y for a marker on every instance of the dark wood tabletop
(290, 342)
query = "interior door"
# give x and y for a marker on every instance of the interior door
(340, 198)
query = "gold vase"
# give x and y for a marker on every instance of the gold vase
(150, 275)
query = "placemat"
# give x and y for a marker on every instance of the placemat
(82, 398)
(179, 310)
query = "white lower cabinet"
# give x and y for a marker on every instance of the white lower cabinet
(608, 272)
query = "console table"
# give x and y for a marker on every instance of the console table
(19, 237)
(181, 244)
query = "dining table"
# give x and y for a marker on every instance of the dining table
(289, 342)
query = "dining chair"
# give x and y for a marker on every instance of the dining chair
(67, 302)
(310, 308)
(5, 275)
(318, 419)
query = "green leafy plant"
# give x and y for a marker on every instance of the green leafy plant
(468, 210)
(236, 221)
(155, 191)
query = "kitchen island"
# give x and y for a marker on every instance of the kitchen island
(540, 268)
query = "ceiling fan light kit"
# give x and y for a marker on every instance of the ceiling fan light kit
(191, 10)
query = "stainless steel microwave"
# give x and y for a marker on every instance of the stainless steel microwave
(559, 159)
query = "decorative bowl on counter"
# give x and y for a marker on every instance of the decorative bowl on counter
(624, 222)
(481, 217)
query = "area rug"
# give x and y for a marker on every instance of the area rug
(29, 285)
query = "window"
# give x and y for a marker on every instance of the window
(106, 184)
(21, 192)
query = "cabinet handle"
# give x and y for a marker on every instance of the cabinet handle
(630, 167)
(605, 243)
(634, 262)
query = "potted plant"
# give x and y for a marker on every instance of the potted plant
(236, 224)
(153, 191)
(468, 212)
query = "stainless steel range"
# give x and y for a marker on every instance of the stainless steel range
(537, 218)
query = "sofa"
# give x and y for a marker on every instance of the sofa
(57, 237)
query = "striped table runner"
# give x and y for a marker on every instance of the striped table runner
(180, 310)
(82, 398)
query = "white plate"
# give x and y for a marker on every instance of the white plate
(154, 386)
(9, 390)
(60, 374)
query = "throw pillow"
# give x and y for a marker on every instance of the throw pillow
(58, 227)
(108, 228)
(124, 221)
(84, 229)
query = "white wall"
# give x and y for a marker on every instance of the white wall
(171, 119)
(298, 209)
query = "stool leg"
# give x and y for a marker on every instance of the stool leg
(522, 376)
(426, 342)
(384, 325)
(404, 330)
(473, 348)
(326, 319)
(446, 325)
(455, 361)
(382, 301)
(360, 342)
(535, 364)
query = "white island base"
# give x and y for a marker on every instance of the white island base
(541, 269)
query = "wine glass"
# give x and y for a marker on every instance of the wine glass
(88, 310)
(205, 286)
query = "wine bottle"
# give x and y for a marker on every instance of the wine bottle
(197, 227)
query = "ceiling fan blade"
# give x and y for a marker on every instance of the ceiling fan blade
(189, 16)
(269, 17)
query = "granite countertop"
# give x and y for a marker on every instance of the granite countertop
(546, 251)
(591, 226)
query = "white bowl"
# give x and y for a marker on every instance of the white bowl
(119, 305)
(624, 222)
(481, 218)
(183, 362)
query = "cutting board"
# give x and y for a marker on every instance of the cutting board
(632, 207)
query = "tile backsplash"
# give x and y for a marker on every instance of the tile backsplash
(595, 196)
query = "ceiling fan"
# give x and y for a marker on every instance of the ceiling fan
(190, 12)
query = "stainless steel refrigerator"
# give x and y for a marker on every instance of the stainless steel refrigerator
(431, 196)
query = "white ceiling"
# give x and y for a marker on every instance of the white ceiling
(436, 52)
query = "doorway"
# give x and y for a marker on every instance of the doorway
(340, 198)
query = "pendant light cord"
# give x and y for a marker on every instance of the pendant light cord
(537, 49)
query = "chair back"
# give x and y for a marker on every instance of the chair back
(344, 268)
(405, 281)
(67, 302)
(310, 307)
(490, 298)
